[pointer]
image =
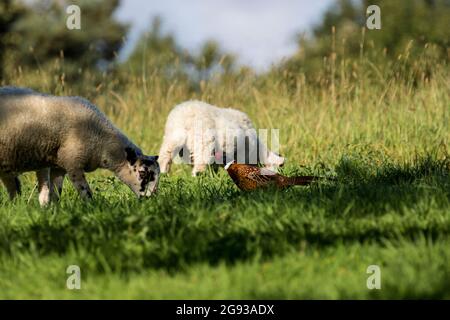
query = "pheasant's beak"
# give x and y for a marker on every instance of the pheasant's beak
(228, 165)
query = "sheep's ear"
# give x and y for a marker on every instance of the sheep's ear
(150, 160)
(131, 155)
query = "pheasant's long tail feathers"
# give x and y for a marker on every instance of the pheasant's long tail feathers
(301, 181)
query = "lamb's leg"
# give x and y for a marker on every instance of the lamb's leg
(57, 179)
(44, 186)
(198, 168)
(164, 161)
(79, 182)
(203, 157)
(12, 184)
(167, 152)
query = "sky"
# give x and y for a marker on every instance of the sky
(259, 32)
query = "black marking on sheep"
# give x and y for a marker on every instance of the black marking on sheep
(131, 155)
(146, 176)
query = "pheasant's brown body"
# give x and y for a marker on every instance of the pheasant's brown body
(249, 178)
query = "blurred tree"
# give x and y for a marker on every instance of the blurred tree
(41, 35)
(212, 59)
(159, 53)
(407, 27)
(10, 12)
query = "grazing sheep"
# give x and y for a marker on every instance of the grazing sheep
(204, 134)
(55, 136)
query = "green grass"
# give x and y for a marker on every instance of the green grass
(202, 238)
(386, 141)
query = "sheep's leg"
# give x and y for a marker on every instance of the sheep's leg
(57, 179)
(167, 152)
(198, 168)
(165, 163)
(12, 184)
(44, 186)
(79, 182)
(203, 157)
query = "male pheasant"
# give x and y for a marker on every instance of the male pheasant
(248, 177)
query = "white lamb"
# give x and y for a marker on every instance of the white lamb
(203, 134)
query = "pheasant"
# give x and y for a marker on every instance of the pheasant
(248, 177)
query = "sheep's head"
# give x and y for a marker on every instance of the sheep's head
(140, 173)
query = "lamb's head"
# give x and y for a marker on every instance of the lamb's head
(140, 172)
(274, 161)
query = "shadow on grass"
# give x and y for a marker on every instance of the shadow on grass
(211, 221)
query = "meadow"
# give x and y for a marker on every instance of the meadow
(383, 139)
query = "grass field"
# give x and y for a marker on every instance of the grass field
(202, 238)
